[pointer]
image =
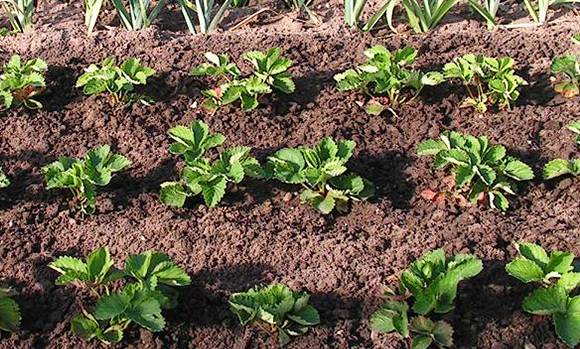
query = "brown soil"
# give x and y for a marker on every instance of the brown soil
(255, 236)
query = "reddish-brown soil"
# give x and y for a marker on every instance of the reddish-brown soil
(256, 235)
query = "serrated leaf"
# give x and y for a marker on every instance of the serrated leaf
(525, 270)
(546, 301)
(214, 191)
(173, 194)
(112, 305)
(556, 168)
(85, 328)
(307, 316)
(421, 342)
(9, 314)
(569, 281)
(519, 171)
(568, 324)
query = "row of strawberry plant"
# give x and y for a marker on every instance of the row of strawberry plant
(386, 77)
(388, 80)
(202, 16)
(426, 291)
(482, 171)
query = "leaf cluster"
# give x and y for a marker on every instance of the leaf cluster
(4, 181)
(323, 173)
(270, 72)
(83, 176)
(488, 80)
(277, 309)
(21, 81)
(431, 283)
(201, 175)
(386, 73)
(149, 276)
(480, 167)
(10, 316)
(567, 67)
(119, 81)
(558, 279)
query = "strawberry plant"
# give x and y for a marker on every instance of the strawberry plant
(479, 167)
(557, 280)
(19, 13)
(4, 181)
(567, 67)
(118, 81)
(488, 80)
(9, 311)
(200, 175)
(83, 176)
(386, 73)
(561, 167)
(430, 285)
(270, 72)
(149, 278)
(21, 81)
(322, 172)
(275, 308)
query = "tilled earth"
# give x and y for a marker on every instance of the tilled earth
(261, 233)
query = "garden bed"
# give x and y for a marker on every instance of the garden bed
(261, 233)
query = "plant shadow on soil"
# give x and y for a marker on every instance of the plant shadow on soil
(392, 181)
(207, 295)
(60, 92)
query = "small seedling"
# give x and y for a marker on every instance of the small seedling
(21, 81)
(118, 81)
(488, 80)
(270, 72)
(201, 175)
(479, 167)
(83, 176)
(148, 277)
(430, 284)
(9, 311)
(322, 172)
(4, 181)
(567, 67)
(557, 278)
(275, 308)
(561, 167)
(386, 73)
